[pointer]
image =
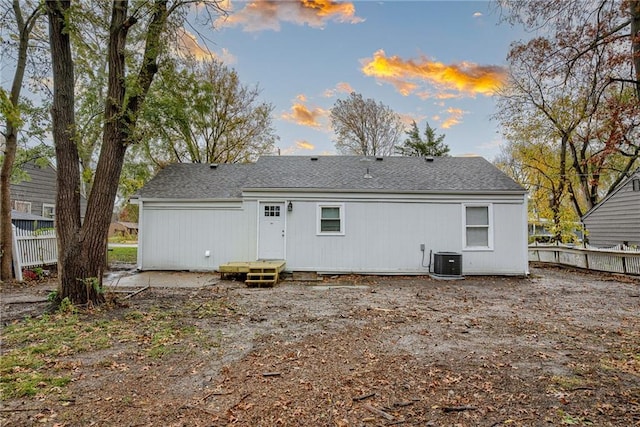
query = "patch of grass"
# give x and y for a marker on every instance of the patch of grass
(30, 348)
(127, 238)
(21, 376)
(567, 383)
(123, 254)
(626, 356)
(210, 308)
(36, 343)
(571, 420)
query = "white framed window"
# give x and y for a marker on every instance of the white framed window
(48, 210)
(330, 219)
(24, 207)
(478, 226)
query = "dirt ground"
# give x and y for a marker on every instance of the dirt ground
(561, 347)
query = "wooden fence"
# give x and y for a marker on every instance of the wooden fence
(619, 259)
(33, 249)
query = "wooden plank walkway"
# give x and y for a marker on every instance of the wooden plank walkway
(259, 273)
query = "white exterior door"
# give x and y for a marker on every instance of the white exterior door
(271, 229)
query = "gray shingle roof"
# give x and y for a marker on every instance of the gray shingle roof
(331, 173)
(197, 181)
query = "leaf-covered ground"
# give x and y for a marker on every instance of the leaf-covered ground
(559, 348)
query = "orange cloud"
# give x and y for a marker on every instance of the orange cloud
(298, 146)
(409, 75)
(304, 145)
(341, 87)
(302, 115)
(455, 117)
(259, 15)
(189, 46)
(407, 119)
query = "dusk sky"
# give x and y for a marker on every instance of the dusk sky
(435, 61)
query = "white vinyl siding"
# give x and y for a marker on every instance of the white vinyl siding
(380, 236)
(194, 237)
(478, 229)
(330, 219)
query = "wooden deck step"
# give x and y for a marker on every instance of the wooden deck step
(259, 273)
(267, 276)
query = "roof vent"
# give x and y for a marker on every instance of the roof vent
(379, 159)
(314, 159)
(429, 158)
(213, 165)
(367, 175)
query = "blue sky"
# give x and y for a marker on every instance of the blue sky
(435, 61)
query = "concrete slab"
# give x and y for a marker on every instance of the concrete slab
(162, 279)
(328, 287)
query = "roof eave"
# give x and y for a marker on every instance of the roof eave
(380, 191)
(198, 200)
(608, 196)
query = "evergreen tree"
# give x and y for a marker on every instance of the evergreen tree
(431, 145)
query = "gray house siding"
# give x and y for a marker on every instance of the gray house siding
(616, 219)
(38, 190)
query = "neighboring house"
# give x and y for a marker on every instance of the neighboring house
(36, 195)
(30, 222)
(335, 214)
(616, 219)
(121, 228)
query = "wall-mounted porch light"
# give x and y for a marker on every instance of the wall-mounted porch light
(290, 207)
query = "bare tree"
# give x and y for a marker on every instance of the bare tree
(364, 127)
(25, 22)
(585, 26)
(202, 113)
(590, 119)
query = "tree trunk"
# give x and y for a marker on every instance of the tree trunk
(6, 248)
(634, 10)
(84, 247)
(11, 143)
(77, 278)
(562, 185)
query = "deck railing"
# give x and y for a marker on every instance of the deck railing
(33, 249)
(618, 259)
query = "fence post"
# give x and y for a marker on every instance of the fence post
(586, 259)
(16, 254)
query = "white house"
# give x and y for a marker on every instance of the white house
(335, 214)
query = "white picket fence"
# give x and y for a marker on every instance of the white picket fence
(33, 249)
(618, 259)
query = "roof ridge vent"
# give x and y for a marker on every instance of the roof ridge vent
(213, 165)
(429, 159)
